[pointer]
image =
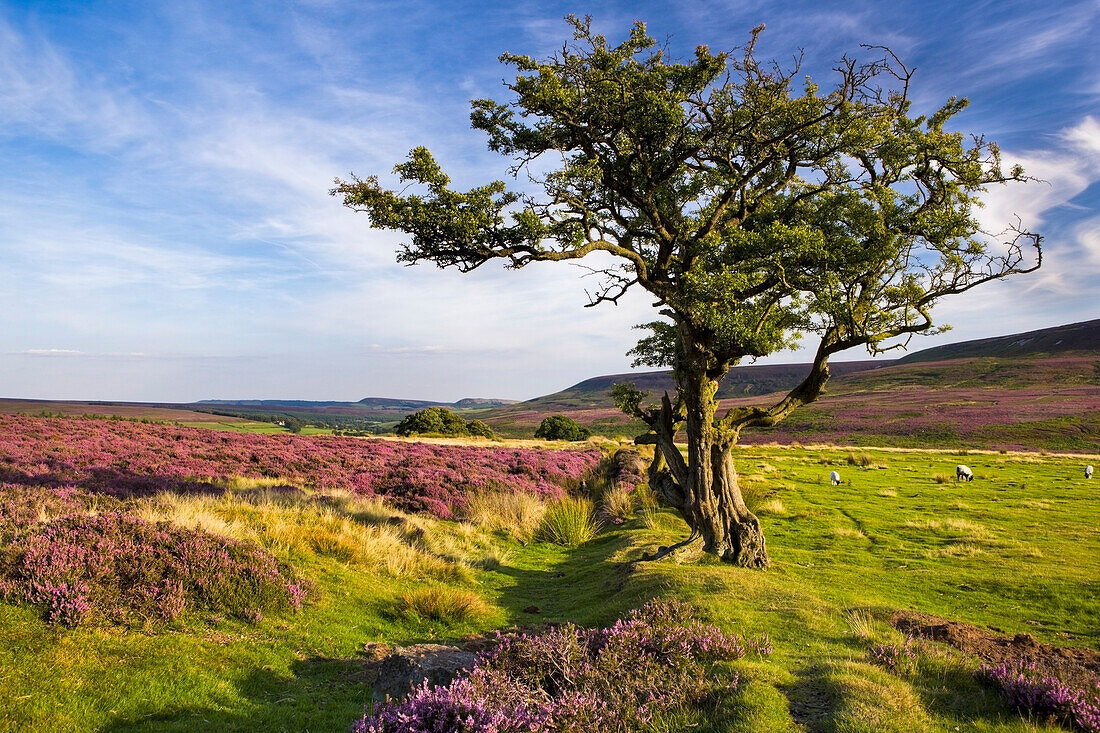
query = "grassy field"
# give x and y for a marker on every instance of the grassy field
(1018, 549)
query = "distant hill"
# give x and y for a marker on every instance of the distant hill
(1039, 389)
(1084, 336)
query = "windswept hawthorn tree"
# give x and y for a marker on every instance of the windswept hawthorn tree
(756, 213)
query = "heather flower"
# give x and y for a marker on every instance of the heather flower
(1045, 697)
(123, 459)
(608, 680)
(122, 567)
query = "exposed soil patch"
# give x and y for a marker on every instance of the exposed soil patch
(1076, 667)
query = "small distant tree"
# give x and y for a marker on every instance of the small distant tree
(560, 427)
(435, 420)
(440, 421)
(754, 206)
(480, 429)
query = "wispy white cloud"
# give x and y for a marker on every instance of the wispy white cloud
(165, 194)
(42, 90)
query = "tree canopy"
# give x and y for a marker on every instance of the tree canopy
(756, 208)
(560, 427)
(440, 421)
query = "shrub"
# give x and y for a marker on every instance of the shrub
(129, 459)
(653, 663)
(479, 429)
(628, 468)
(435, 420)
(560, 427)
(894, 658)
(442, 603)
(123, 568)
(1039, 696)
(569, 522)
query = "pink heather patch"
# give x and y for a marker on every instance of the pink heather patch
(126, 569)
(125, 459)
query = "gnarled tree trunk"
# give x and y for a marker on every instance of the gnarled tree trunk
(705, 489)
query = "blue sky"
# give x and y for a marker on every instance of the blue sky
(166, 233)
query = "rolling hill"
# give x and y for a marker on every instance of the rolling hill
(1039, 389)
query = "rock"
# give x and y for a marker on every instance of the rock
(376, 651)
(408, 667)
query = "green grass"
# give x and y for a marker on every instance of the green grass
(1017, 549)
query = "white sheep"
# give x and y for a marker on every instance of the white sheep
(964, 473)
(1088, 471)
(834, 478)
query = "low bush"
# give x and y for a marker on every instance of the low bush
(1040, 696)
(124, 569)
(569, 522)
(650, 665)
(628, 468)
(896, 659)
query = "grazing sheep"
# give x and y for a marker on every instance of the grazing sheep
(834, 478)
(964, 473)
(1088, 471)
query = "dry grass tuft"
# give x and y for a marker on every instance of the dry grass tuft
(863, 460)
(618, 501)
(851, 532)
(955, 549)
(442, 603)
(888, 493)
(517, 514)
(862, 623)
(772, 506)
(354, 530)
(942, 478)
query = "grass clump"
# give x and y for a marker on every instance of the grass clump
(360, 531)
(862, 623)
(569, 522)
(442, 603)
(771, 506)
(862, 460)
(617, 502)
(517, 514)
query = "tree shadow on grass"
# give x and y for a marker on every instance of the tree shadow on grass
(590, 586)
(322, 694)
(813, 699)
(954, 692)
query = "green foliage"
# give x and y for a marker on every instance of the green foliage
(441, 421)
(755, 205)
(478, 428)
(752, 205)
(560, 427)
